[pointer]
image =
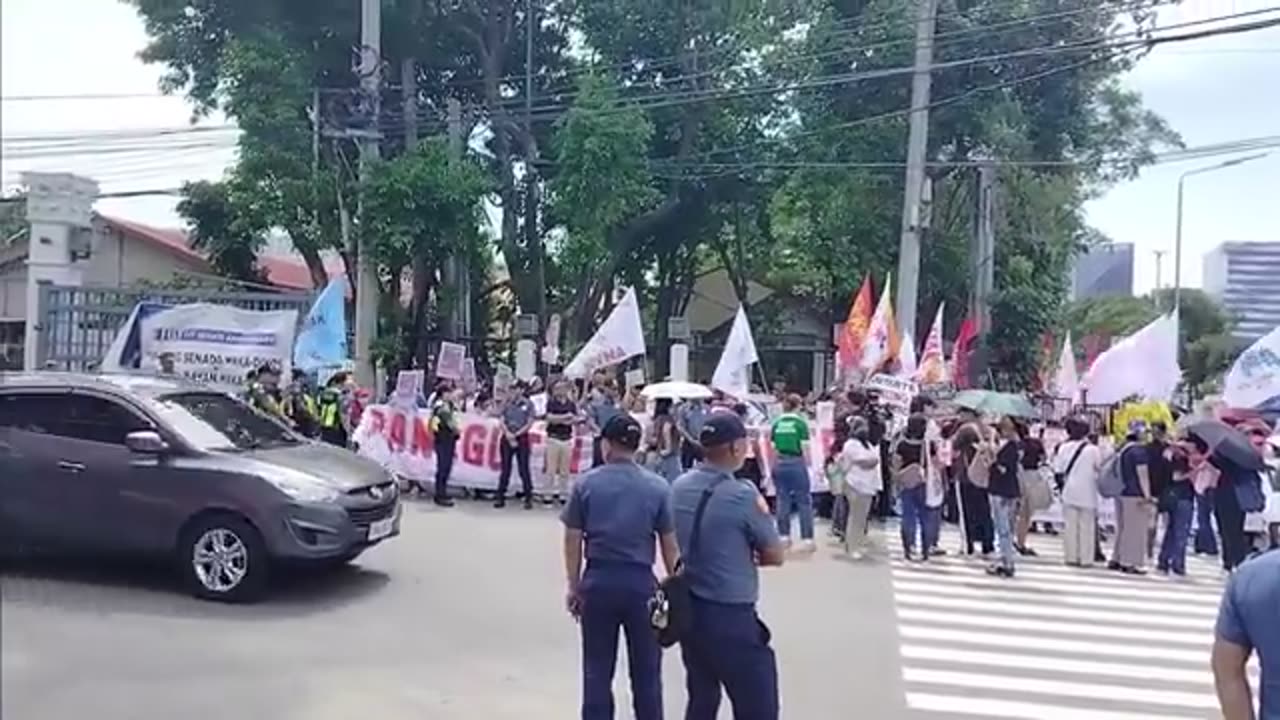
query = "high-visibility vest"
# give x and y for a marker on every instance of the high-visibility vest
(330, 410)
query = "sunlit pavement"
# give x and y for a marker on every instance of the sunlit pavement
(460, 617)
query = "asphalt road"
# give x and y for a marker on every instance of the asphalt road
(460, 617)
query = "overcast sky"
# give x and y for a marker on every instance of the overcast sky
(1211, 91)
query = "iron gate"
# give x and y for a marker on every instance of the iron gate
(77, 324)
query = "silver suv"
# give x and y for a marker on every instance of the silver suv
(156, 466)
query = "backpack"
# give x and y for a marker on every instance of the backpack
(1111, 480)
(979, 469)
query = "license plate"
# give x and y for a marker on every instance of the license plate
(381, 528)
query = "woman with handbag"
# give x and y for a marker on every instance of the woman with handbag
(1177, 503)
(910, 458)
(1075, 467)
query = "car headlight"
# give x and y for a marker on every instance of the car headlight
(303, 488)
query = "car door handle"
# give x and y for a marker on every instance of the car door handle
(70, 466)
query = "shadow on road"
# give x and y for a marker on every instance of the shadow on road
(113, 585)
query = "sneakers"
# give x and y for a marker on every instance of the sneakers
(1000, 571)
(808, 546)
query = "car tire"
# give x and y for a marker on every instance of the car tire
(222, 557)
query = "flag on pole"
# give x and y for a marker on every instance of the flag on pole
(960, 353)
(853, 335)
(932, 369)
(619, 337)
(883, 343)
(1066, 382)
(733, 373)
(1254, 379)
(322, 342)
(907, 363)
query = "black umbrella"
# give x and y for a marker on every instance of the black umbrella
(1227, 443)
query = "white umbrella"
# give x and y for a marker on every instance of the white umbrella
(677, 390)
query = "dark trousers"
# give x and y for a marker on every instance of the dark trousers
(1206, 541)
(597, 451)
(690, 455)
(613, 599)
(445, 452)
(978, 527)
(1173, 550)
(334, 436)
(728, 647)
(521, 455)
(1226, 509)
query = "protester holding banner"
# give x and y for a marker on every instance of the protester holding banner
(517, 415)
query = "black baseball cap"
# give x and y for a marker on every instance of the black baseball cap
(721, 429)
(623, 430)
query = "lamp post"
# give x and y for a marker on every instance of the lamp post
(1177, 237)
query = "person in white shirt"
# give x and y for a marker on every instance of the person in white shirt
(860, 461)
(1077, 463)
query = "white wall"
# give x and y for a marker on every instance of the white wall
(120, 261)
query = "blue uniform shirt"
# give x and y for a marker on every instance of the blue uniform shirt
(517, 413)
(734, 526)
(602, 410)
(1250, 617)
(620, 508)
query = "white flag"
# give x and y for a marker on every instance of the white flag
(932, 368)
(1254, 380)
(907, 363)
(620, 337)
(880, 333)
(733, 374)
(1066, 383)
(1145, 365)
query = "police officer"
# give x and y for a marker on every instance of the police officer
(727, 645)
(613, 515)
(300, 404)
(333, 411)
(264, 392)
(517, 415)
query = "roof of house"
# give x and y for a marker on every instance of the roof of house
(281, 272)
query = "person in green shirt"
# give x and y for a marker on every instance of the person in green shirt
(790, 436)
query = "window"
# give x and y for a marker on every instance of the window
(79, 417)
(214, 421)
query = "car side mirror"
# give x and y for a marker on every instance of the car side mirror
(146, 442)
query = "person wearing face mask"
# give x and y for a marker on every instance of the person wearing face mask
(725, 533)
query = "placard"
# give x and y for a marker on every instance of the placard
(635, 378)
(451, 361)
(526, 360)
(895, 392)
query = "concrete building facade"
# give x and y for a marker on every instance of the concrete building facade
(1245, 278)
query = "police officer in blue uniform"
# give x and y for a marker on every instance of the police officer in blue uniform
(614, 514)
(727, 645)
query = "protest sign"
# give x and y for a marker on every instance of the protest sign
(410, 383)
(635, 378)
(218, 344)
(452, 361)
(526, 360)
(895, 392)
(502, 378)
(469, 380)
(399, 438)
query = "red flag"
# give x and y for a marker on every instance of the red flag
(960, 352)
(854, 333)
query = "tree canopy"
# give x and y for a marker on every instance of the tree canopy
(644, 142)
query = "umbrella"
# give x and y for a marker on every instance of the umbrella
(677, 390)
(995, 403)
(1227, 443)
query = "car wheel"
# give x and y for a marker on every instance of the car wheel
(222, 557)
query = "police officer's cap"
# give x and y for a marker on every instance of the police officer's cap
(721, 429)
(623, 430)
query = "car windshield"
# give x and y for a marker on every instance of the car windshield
(213, 421)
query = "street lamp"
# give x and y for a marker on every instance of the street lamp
(1177, 238)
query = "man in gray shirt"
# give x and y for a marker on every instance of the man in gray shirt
(517, 415)
(614, 513)
(727, 645)
(1248, 623)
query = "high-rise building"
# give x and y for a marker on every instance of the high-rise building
(1245, 278)
(1103, 271)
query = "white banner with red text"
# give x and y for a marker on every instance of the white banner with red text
(400, 440)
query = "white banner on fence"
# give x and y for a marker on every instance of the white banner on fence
(398, 438)
(219, 344)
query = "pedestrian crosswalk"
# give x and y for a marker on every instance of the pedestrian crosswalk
(1054, 642)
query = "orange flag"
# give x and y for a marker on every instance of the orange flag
(883, 341)
(853, 336)
(932, 369)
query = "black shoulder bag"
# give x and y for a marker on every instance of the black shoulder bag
(1060, 479)
(671, 607)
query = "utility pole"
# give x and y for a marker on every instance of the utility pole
(917, 147)
(409, 102)
(456, 274)
(983, 255)
(1159, 267)
(370, 72)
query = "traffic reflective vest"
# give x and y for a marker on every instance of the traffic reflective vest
(329, 410)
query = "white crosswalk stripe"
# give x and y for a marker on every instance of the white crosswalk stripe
(1054, 642)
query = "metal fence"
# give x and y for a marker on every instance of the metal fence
(77, 324)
